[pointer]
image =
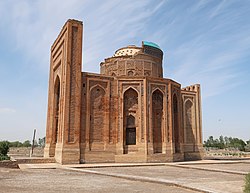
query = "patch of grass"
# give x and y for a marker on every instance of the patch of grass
(247, 183)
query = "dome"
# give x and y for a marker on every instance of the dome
(135, 61)
(151, 44)
(127, 51)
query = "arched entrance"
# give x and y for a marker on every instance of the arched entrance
(130, 119)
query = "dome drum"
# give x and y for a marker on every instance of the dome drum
(135, 61)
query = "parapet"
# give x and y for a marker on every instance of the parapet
(194, 88)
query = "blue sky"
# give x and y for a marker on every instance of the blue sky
(204, 41)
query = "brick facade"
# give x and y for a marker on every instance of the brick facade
(128, 113)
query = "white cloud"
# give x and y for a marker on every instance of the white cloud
(112, 24)
(35, 25)
(217, 9)
(213, 56)
(203, 42)
(5, 110)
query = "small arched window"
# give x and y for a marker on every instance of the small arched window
(130, 73)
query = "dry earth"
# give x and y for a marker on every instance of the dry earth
(202, 176)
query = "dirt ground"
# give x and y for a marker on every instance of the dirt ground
(59, 180)
(202, 176)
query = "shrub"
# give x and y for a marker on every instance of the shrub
(247, 183)
(27, 143)
(4, 149)
(4, 157)
(16, 144)
(247, 147)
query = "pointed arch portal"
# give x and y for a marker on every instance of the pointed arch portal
(130, 111)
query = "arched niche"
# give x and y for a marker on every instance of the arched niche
(97, 115)
(57, 91)
(190, 136)
(130, 73)
(176, 124)
(157, 115)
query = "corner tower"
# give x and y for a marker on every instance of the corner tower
(64, 97)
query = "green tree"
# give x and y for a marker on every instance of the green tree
(237, 143)
(4, 149)
(221, 142)
(26, 143)
(227, 142)
(247, 147)
(217, 143)
(209, 142)
(16, 144)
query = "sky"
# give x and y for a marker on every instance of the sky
(204, 41)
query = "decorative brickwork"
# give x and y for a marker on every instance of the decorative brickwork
(63, 117)
(97, 114)
(73, 84)
(189, 122)
(128, 113)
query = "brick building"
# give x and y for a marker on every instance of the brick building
(127, 113)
